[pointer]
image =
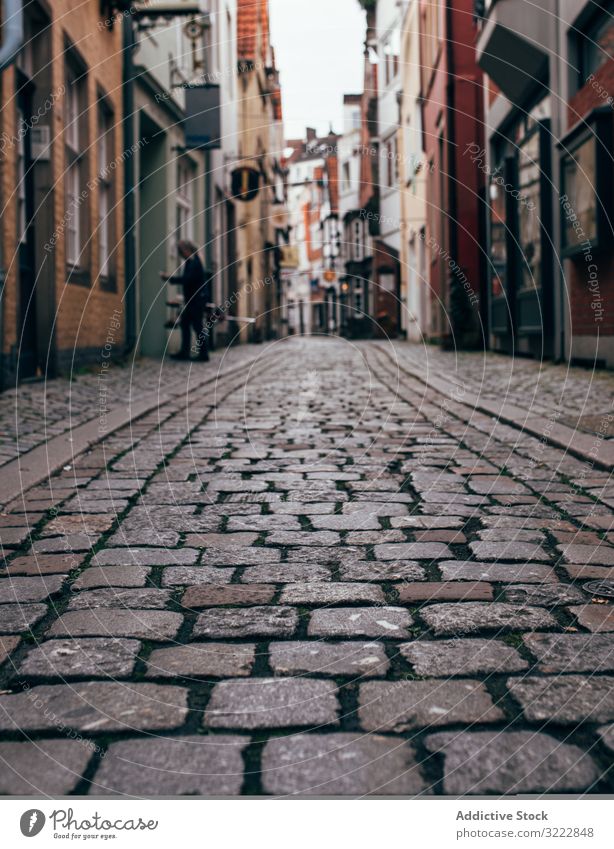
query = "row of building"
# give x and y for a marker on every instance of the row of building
(468, 199)
(126, 126)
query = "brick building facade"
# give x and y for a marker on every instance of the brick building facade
(62, 188)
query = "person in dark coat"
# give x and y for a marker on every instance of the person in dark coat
(196, 294)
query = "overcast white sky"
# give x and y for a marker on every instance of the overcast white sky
(318, 46)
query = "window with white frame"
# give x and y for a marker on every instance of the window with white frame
(75, 144)
(392, 52)
(105, 190)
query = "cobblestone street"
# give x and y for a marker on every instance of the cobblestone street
(311, 567)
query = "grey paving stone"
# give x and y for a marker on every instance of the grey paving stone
(223, 540)
(347, 522)
(465, 570)
(263, 523)
(64, 543)
(547, 595)
(222, 622)
(375, 508)
(572, 652)
(157, 625)
(285, 573)
(7, 647)
(593, 555)
(355, 659)
(17, 618)
(177, 766)
(96, 707)
(391, 622)
(116, 597)
(125, 536)
(310, 538)
(112, 576)
(565, 699)
(272, 703)
(297, 508)
(249, 556)
(43, 767)
(597, 618)
(186, 576)
(29, 589)
(202, 660)
(413, 551)
(511, 550)
(340, 764)
(146, 557)
(402, 706)
(331, 593)
(340, 554)
(375, 537)
(510, 762)
(448, 658)
(511, 535)
(474, 616)
(98, 657)
(427, 522)
(371, 570)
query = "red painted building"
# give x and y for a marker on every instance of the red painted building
(453, 133)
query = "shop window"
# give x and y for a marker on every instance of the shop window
(529, 225)
(596, 43)
(586, 185)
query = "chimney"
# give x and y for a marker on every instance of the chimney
(311, 134)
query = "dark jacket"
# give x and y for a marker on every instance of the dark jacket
(196, 282)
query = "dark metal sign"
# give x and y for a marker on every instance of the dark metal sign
(202, 122)
(245, 183)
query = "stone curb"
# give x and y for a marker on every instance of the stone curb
(37, 465)
(584, 446)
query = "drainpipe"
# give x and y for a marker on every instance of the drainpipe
(451, 154)
(128, 46)
(12, 32)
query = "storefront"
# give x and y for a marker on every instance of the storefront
(521, 234)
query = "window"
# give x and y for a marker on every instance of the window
(587, 181)
(391, 165)
(185, 202)
(595, 44)
(22, 229)
(347, 177)
(106, 216)
(529, 229)
(392, 50)
(73, 229)
(76, 174)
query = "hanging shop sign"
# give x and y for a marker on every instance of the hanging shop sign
(245, 183)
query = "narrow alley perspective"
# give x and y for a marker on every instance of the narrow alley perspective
(306, 415)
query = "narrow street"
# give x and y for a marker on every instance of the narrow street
(311, 567)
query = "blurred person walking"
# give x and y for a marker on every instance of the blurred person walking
(196, 285)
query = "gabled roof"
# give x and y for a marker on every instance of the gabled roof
(252, 29)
